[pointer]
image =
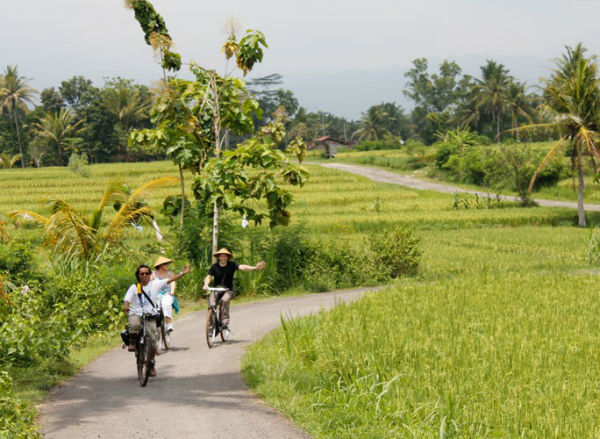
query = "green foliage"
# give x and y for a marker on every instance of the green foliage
(252, 172)
(16, 418)
(250, 50)
(172, 205)
(17, 263)
(389, 142)
(395, 253)
(78, 164)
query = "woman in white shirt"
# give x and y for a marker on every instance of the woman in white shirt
(166, 294)
(142, 297)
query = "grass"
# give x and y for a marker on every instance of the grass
(496, 336)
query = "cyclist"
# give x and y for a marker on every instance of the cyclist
(166, 295)
(145, 302)
(222, 273)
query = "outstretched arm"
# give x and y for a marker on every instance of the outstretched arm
(183, 272)
(207, 281)
(259, 266)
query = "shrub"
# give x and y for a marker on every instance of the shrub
(395, 254)
(16, 418)
(16, 261)
(79, 164)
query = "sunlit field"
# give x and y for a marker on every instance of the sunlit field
(495, 335)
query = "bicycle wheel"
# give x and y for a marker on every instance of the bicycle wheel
(146, 347)
(211, 328)
(140, 357)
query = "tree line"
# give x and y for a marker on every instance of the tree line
(45, 128)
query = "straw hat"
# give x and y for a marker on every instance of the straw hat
(162, 260)
(223, 251)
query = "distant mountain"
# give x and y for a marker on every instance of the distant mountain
(350, 93)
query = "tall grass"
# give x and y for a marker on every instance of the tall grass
(500, 356)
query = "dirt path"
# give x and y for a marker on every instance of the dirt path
(198, 392)
(383, 176)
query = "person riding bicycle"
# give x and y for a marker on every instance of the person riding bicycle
(142, 297)
(166, 295)
(222, 273)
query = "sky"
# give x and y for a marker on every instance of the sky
(339, 56)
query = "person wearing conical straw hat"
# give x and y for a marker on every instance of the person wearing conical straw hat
(221, 274)
(166, 295)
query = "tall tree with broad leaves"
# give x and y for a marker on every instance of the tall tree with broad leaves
(15, 94)
(435, 96)
(193, 119)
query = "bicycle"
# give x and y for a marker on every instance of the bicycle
(143, 351)
(164, 337)
(214, 327)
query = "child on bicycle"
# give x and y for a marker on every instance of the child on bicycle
(145, 302)
(222, 273)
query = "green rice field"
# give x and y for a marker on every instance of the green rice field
(496, 336)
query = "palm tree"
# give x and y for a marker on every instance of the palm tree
(80, 238)
(7, 161)
(127, 105)
(59, 128)
(572, 107)
(15, 94)
(519, 103)
(372, 124)
(491, 90)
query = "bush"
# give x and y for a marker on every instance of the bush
(16, 418)
(390, 142)
(395, 254)
(79, 164)
(16, 261)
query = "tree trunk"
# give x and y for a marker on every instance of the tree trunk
(215, 238)
(182, 199)
(59, 146)
(580, 207)
(19, 138)
(498, 127)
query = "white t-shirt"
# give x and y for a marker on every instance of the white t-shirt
(151, 290)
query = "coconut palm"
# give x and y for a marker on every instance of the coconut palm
(491, 91)
(572, 107)
(7, 161)
(15, 94)
(59, 128)
(80, 238)
(372, 124)
(127, 105)
(519, 104)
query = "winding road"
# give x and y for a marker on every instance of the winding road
(382, 176)
(198, 392)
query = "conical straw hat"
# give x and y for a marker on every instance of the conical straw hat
(162, 260)
(223, 251)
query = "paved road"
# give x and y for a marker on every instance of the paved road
(198, 393)
(383, 176)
